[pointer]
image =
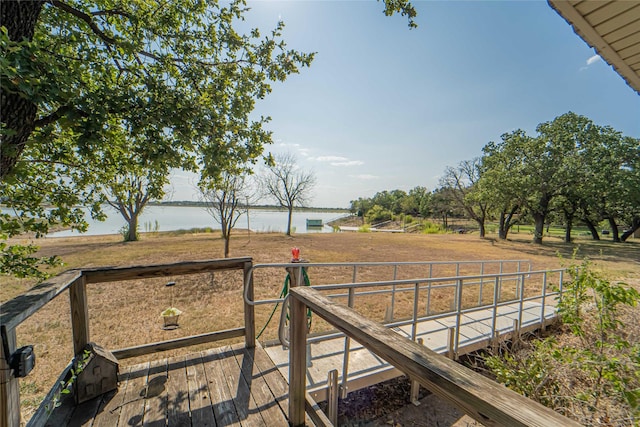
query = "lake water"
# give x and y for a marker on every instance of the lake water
(183, 218)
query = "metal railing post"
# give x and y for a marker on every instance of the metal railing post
(414, 327)
(494, 317)
(481, 282)
(458, 313)
(428, 311)
(347, 349)
(393, 291)
(544, 298)
(521, 299)
(415, 385)
(332, 396)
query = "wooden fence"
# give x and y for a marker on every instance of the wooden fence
(16, 311)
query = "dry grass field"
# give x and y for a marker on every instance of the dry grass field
(124, 314)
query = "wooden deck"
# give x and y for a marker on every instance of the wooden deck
(226, 386)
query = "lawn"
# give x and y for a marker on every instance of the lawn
(127, 313)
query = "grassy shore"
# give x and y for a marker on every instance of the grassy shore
(124, 314)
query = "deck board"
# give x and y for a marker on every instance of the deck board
(132, 409)
(223, 408)
(155, 404)
(227, 386)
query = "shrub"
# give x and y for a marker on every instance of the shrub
(594, 375)
(378, 213)
(431, 228)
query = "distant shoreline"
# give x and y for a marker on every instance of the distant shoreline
(192, 203)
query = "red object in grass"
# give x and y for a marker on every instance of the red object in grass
(295, 252)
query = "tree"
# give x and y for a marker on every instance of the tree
(442, 205)
(224, 200)
(462, 182)
(175, 73)
(132, 191)
(417, 202)
(287, 185)
(177, 70)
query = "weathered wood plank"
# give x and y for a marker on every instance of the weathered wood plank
(85, 413)
(249, 310)
(178, 393)
(132, 407)
(481, 398)
(157, 347)
(199, 395)
(297, 360)
(15, 311)
(240, 391)
(79, 315)
(111, 405)
(273, 377)
(155, 395)
(110, 274)
(223, 408)
(265, 401)
(9, 385)
(62, 414)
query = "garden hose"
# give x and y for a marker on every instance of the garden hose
(283, 293)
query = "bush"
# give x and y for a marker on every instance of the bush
(378, 213)
(593, 373)
(431, 228)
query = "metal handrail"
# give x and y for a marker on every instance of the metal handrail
(356, 265)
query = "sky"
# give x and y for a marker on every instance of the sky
(385, 107)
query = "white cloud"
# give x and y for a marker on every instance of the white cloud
(593, 59)
(364, 177)
(338, 161)
(285, 144)
(348, 163)
(331, 159)
(590, 61)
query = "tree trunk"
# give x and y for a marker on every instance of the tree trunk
(569, 225)
(226, 246)
(132, 234)
(18, 112)
(614, 229)
(592, 228)
(480, 222)
(539, 227)
(502, 228)
(289, 220)
(635, 224)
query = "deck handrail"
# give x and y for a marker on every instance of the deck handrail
(17, 310)
(356, 265)
(476, 395)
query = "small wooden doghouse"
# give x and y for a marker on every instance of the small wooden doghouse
(99, 375)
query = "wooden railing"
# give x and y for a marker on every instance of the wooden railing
(483, 399)
(16, 311)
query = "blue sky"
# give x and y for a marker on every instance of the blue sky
(386, 107)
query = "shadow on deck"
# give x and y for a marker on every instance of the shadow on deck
(225, 386)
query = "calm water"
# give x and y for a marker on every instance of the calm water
(177, 218)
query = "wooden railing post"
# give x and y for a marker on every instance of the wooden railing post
(249, 311)
(79, 314)
(9, 385)
(297, 362)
